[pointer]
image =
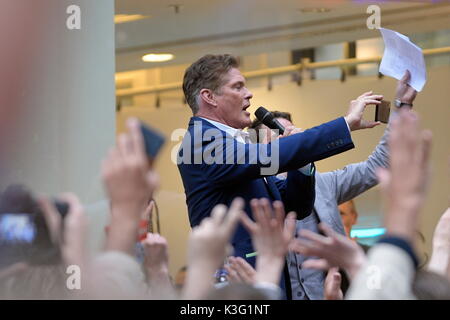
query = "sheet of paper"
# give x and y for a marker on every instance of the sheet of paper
(400, 54)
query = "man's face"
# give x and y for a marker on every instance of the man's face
(349, 216)
(233, 98)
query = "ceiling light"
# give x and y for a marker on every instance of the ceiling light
(157, 57)
(122, 18)
(314, 10)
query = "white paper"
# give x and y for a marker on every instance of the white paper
(400, 54)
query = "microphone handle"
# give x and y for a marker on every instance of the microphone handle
(277, 125)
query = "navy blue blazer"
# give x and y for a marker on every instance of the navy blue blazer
(216, 168)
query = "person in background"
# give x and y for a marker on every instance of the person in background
(349, 216)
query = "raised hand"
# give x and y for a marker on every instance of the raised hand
(126, 172)
(129, 182)
(240, 271)
(354, 116)
(334, 250)
(207, 247)
(332, 286)
(271, 236)
(404, 185)
(156, 253)
(156, 263)
(68, 234)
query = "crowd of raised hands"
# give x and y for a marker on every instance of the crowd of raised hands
(130, 181)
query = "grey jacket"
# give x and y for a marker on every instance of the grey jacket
(332, 189)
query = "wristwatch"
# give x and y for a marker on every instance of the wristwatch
(400, 104)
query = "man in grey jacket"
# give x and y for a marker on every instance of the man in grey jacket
(333, 188)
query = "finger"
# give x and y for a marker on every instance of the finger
(384, 179)
(246, 267)
(267, 212)
(365, 94)
(289, 227)
(52, 219)
(373, 97)
(249, 224)
(258, 213)
(410, 94)
(218, 213)
(244, 270)
(232, 217)
(336, 281)
(233, 274)
(333, 270)
(426, 138)
(406, 77)
(279, 212)
(327, 230)
(113, 160)
(288, 130)
(317, 264)
(315, 237)
(303, 247)
(152, 179)
(124, 144)
(137, 140)
(369, 124)
(75, 206)
(371, 101)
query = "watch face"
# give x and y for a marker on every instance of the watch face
(398, 103)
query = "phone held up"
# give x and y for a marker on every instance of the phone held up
(382, 111)
(153, 141)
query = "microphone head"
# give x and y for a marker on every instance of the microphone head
(267, 118)
(263, 114)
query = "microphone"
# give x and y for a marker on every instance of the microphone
(267, 118)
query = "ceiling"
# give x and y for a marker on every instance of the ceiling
(191, 28)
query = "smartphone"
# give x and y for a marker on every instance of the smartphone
(17, 228)
(382, 111)
(153, 141)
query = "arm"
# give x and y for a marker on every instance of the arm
(207, 248)
(293, 151)
(271, 238)
(440, 257)
(252, 161)
(332, 286)
(129, 182)
(334, 250)
(391, 263)
(156, 265)
(388, 274)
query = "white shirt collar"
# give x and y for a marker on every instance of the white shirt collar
(239, 135)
